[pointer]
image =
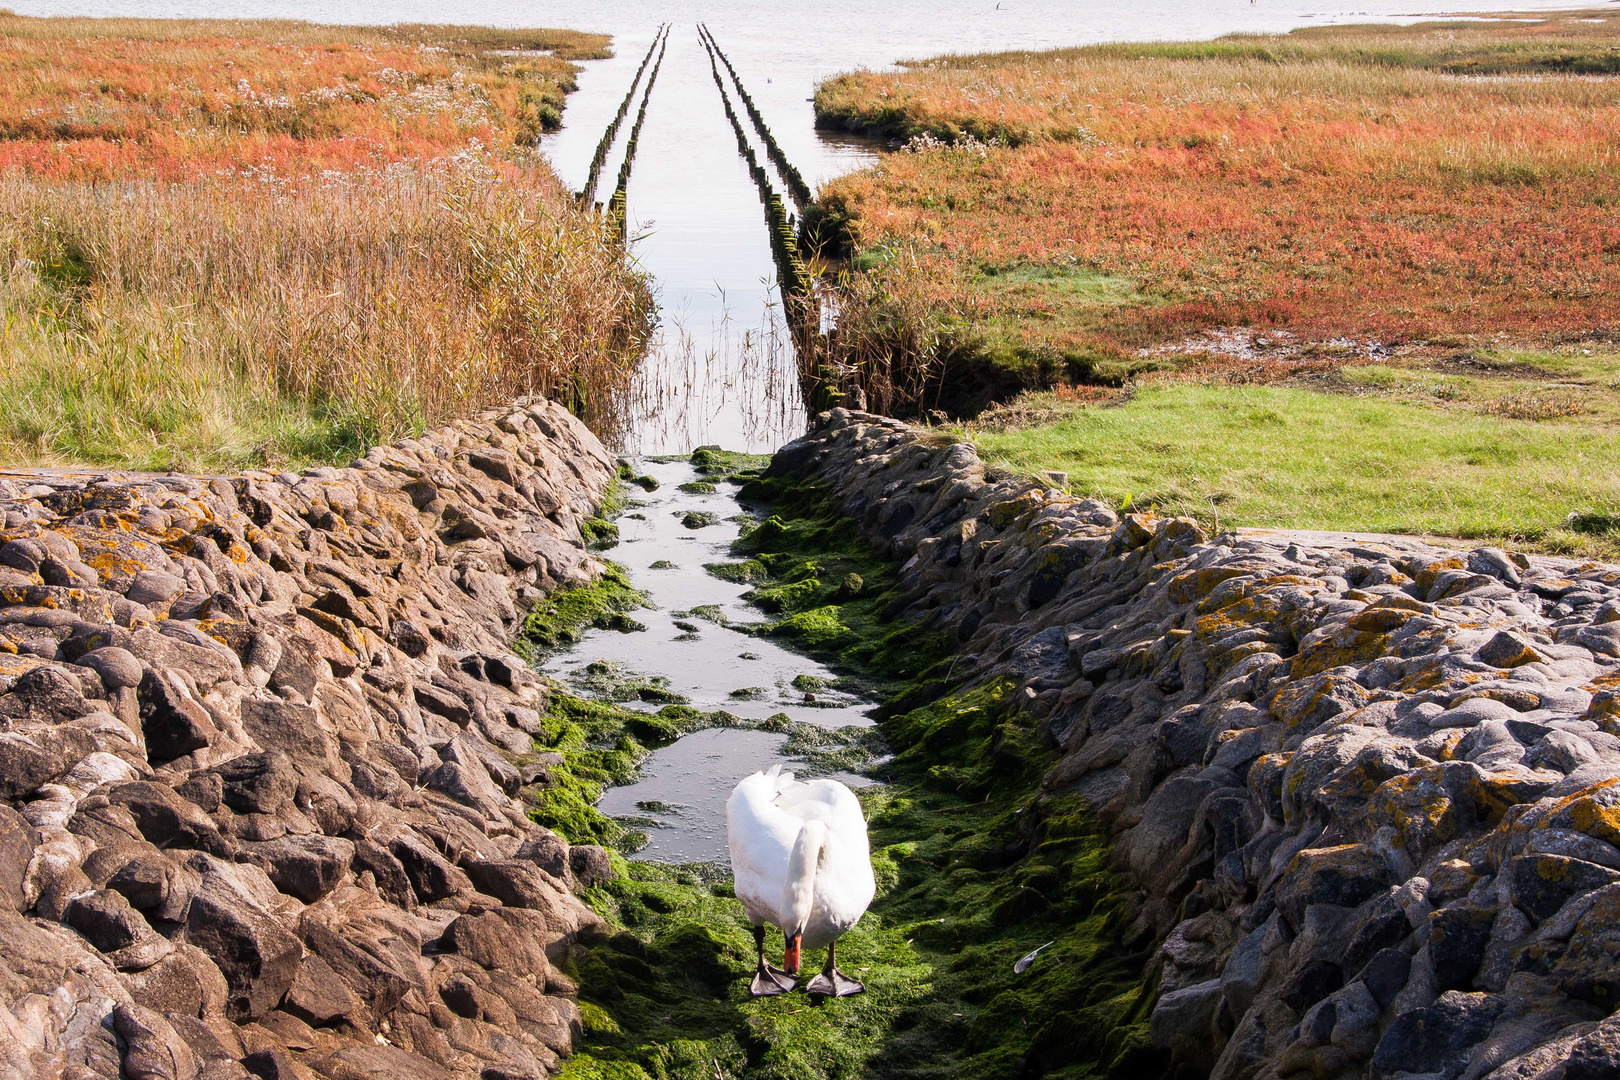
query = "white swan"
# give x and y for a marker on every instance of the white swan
(801, 860)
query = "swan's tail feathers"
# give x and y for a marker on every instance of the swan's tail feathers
(782, 781)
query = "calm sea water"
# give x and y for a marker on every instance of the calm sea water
(723, 371)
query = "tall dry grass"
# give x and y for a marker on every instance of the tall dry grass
(220, 323)
(227, 243)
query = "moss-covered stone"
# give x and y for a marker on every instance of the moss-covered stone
(563, 616)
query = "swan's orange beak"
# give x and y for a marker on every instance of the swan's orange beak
(790, 961)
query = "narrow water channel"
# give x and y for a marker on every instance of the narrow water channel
(722, 369)
(696, 649)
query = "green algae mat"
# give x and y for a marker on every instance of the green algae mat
(974, 869)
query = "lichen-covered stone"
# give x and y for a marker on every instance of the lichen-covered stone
(1369, 787)
(251, 727)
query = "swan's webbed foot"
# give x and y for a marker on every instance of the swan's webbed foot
(769, 981)
(834, 983)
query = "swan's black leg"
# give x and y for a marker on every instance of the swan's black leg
(831, 981)
(767, 980)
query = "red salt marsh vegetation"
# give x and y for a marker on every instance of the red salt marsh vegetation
(1282, 226)
(1350, 182)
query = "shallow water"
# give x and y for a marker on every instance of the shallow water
(712, 666)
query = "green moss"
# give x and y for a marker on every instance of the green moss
(627, 473)
(698, 487)
(697, 519)
(561, 618)
(973, 873)
(834, 594)
(727, 465)
(711, 613)
(747, 572)
(607, 680)
(975, 868)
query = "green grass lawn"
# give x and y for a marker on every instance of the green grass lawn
(1389, 461)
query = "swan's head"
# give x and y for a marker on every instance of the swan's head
(790, 959)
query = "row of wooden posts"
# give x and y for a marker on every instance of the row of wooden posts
(618, 206)
(587, 194)
(790, 176)
(791, 275)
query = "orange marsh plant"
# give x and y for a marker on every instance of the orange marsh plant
(1364, 182)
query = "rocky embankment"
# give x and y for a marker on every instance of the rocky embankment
(261, 741)
(1368, 789)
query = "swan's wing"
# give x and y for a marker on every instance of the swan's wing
(760, 837)
(826, 800)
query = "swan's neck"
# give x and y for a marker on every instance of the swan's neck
(800, 888)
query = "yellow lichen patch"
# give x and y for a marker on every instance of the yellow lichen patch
(1430, 675)
(1519, 700)
(1141, 658)
(1257, 610)
(1282, 579)
(231, 633)
(1595, 819)
(1336, 650)
(1426, 576)
(114, 564)
(1197, 584)
(1299, 698)
(15, 663)
(1605, 710)
(1380, 620)
(1447, 748)
(1464, 585)
(1002, 514)
(1405, 603)
(1492, 794)
(1418, 807)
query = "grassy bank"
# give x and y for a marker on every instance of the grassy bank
(1352, 277)
(227, 244)
(1279, 457)
(974, 871)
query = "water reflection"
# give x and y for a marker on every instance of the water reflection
(738, 387)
